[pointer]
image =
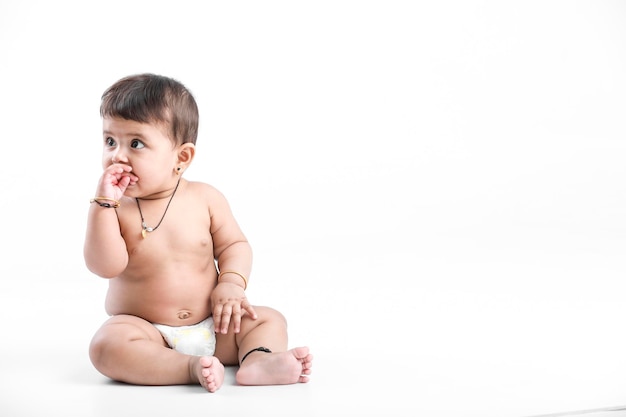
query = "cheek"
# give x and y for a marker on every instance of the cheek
(106, 158)
(105, 162)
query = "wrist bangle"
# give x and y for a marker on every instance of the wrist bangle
(113, 203)
(245, 280)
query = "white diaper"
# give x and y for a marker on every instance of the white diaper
(197, 339)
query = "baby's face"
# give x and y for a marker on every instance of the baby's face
(145, 147)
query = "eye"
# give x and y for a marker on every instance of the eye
(136, 144)
(110, 141)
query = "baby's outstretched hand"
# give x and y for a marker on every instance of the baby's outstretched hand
(229, 305)
(114, 181)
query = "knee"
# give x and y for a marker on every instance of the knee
(101, 344)
(111, 341)
(97, 350)
(268, 314)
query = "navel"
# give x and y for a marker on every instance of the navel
(184, 314)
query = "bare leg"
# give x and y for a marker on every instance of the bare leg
(130, 349)
(269, 330)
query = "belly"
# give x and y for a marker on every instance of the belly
(172, 301)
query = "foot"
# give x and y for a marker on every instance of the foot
(278, 368)
(209, 372)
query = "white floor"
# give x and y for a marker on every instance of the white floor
(433, 344)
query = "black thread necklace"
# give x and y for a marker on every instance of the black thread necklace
(144, 227)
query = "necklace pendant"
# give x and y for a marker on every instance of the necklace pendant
(144, 227)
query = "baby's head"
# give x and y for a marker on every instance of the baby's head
(154, 99)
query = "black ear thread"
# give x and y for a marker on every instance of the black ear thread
(177, 170)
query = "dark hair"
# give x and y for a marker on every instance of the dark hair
(150, 98)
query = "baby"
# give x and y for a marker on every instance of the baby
(175, 258)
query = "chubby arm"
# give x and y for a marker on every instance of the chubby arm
(230, 246)
(233, 253)
(104, 248)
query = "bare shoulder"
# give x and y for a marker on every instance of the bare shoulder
(201, 187)
(207, 192)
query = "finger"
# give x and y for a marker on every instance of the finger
(123, 183)
(128, 170)
(118, 169)
(132, 179)
(217, 317)
(236, 319)
(225, 319)
(249, 309)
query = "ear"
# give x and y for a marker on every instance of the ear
(186, 152)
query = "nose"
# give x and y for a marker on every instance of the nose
(118, 156)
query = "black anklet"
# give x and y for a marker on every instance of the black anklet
(259, 349)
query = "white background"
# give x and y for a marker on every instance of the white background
(434, 192)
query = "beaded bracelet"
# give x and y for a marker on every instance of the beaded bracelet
(245, 280)
(96, 200)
